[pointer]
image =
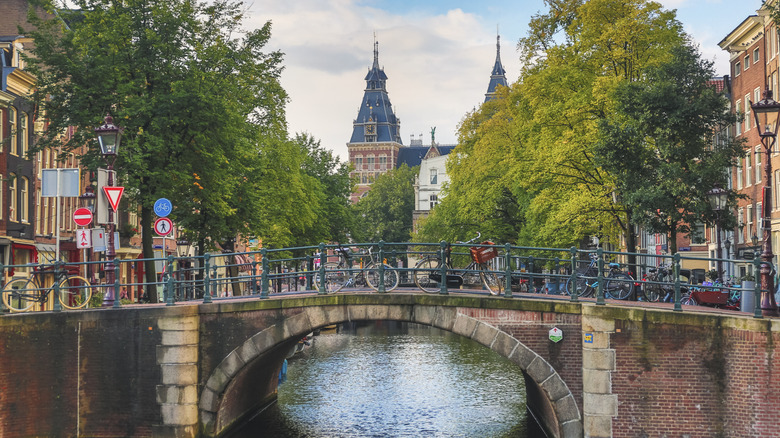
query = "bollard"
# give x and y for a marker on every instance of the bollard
(206, 280)
(600, 280)
(573, 279)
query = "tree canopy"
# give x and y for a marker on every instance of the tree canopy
(385, 212)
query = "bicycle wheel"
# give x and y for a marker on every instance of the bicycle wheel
(652, 292)
(425, 273)
(75, 292)
(335, 277)
(20, 295)
(689, 300)
(580, 285)
(619, 286)
(493, 282)
(372, 277)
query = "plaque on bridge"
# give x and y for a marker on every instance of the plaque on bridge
(556, 335)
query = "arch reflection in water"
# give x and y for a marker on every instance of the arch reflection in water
(390, 379)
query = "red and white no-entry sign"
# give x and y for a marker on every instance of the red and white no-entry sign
(163, 226)
(82, 216)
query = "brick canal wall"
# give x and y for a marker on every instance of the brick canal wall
(157, 370)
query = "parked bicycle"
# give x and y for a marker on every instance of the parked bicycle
(427, 272)
(658, 284)
(618, 285)
(343, 274)
(21, 294)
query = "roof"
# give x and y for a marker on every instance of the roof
(498, 75)
(375, 109)
(413, 155)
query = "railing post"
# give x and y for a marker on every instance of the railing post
(169, 298)
(757, 287)
(206, 280)
(117, 292)
(56, 306)
(531, 282)
(600, 281)
(3, 307)
(573, 279)
(381, 286)
(443, 268)
(264, 274)
(323, 257)
(677, 296)
(255, 282)
(508, 271)
(309, 271)
(556, 272)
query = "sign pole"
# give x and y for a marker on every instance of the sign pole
(57, 221)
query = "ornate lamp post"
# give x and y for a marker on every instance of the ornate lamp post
(109, 136)
(718, 198)
(766, 112)
(88, 201)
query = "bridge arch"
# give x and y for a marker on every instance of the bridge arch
(221, 403)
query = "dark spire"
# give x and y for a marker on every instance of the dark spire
(498, 76)
(376, 120)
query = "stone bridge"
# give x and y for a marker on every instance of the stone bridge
(197, 370)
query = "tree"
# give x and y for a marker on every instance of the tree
(200, 108)
(385, 213)
(658, 144)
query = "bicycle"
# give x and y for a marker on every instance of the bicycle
(618, 285)
(427, 272)
(21, 294)
(661, 278)
(341, 274)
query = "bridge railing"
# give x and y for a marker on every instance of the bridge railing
(270, 271)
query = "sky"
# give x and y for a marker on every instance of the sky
(437, 54)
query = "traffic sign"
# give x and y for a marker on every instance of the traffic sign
(163, 226)
(82, 216)
(163, 207)
(113, 194)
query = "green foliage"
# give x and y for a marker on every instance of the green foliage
(385, 213)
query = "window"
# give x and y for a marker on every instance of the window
(739, 176)
(737, 69)
(747, 112)
(756, 55)
(758, 164)
(12, 127)
(358, 163)
(741, 222)
(12, 212)
(434, 200)
(759, 225)
(370, 160)
(364, 178)
(24, 191)
(747, 62)
(434, 176)
(23, 133)
(383, 162)
(749, 227)
(757, 94)
(698, 234)
(739, 113)
(748, 167)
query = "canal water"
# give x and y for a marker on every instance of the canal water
(390, 379)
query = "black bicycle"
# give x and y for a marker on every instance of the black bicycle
(21, 294)
(618, 285)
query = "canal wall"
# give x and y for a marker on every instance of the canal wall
(195, 370)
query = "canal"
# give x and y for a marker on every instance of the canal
(391, 379)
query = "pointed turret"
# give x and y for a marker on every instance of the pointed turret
(498, 76)
(376, 121)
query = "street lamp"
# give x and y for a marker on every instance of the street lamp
(766, 112)
(87, 200)
(718, 198)
(109, 136)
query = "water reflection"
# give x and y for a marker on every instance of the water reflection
(389, 379)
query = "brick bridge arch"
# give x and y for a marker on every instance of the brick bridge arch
(221, 402)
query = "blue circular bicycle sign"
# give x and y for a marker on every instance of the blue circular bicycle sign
(162, 207)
